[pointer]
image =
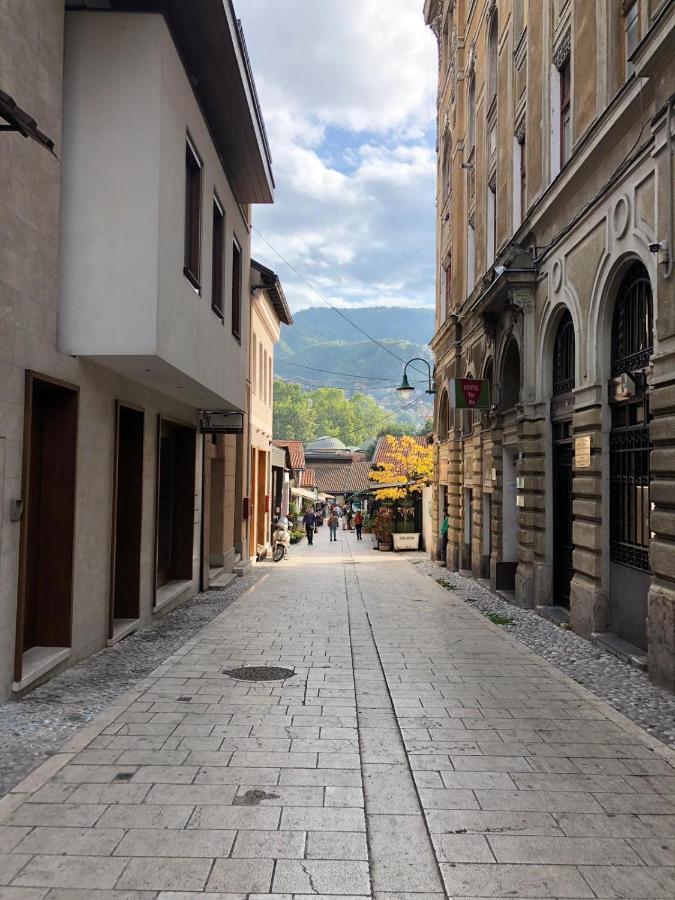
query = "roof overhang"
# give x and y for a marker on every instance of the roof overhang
(270, 282)
(17, 119)
(210, 41)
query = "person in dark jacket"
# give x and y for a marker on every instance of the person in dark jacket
(309, 521)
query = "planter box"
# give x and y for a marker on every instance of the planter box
(407, 541)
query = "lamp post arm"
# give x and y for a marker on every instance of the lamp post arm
(431, 389)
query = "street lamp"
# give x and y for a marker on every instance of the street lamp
(405, 386)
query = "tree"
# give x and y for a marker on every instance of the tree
(409, 464)
(294, 416)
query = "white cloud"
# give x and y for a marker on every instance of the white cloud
(346, 88)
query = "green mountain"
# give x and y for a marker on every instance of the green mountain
(323, 349)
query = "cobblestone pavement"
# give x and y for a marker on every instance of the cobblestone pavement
(418, 751)
(624, 687)
(34, 728)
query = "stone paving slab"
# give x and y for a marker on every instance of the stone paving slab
(418, 752)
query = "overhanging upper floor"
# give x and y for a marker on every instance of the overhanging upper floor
(210, 41)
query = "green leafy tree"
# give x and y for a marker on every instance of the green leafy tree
(294, 417)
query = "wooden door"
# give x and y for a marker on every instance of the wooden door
(44, 607)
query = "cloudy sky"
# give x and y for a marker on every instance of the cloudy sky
(347, 89)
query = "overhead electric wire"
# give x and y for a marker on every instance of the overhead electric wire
(330, 372)
(330, 305)
(383, 418)
(306, 381)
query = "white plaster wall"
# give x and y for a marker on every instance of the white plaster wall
(190, 335)
(110, 184)
(125, 300)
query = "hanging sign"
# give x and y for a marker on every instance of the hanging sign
(469, 393)
(221, 422)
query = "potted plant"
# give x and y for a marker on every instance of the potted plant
(383, 527)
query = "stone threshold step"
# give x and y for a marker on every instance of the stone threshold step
(221, 581)
(559, 615)
(620, 648)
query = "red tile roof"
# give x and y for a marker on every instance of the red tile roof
(296, 451)
(389, 444)
(307, 478)
(338, 478)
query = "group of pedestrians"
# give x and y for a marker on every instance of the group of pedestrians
(309, 520)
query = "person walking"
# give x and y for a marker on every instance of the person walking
(333, 523)
(309, 521)
(444, 537)
(358, 524)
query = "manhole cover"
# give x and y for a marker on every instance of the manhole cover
(259, 673)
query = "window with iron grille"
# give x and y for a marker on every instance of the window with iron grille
(632, 331)
(563, 357)
(630, 439)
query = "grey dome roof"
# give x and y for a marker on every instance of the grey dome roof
(326, 443)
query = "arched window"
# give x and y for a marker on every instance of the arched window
(511, 376)
(563, 356)
(632, 329)
(443, 417)
(493, 55)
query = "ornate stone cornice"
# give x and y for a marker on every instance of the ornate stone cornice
(561, 52)
(520, 131)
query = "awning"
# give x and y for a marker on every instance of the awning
(306, 495)
(18, 120)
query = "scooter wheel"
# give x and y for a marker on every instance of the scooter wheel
(278, 554)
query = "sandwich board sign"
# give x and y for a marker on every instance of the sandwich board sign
(469, 393)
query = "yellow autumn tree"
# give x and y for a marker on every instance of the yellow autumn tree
(407, 463)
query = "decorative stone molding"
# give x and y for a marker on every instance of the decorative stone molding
(561, 52)
(492, 181)
(621, 216)
(556, 275)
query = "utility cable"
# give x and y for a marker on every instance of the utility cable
(330, 305)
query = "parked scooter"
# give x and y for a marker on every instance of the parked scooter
(281, 541)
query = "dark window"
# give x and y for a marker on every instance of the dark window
(217, 259)
(632, 30)
(563, 357)
(488, 375)
(632, 334)
(471, 127)
(443, 417)
(193, 203)
(511, 376)
(565, 113)
(236, 290)
(493, 38)
(629, 475)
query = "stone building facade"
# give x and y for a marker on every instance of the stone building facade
(555, 283)
(124, 292)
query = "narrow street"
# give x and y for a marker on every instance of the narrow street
(416, 751)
